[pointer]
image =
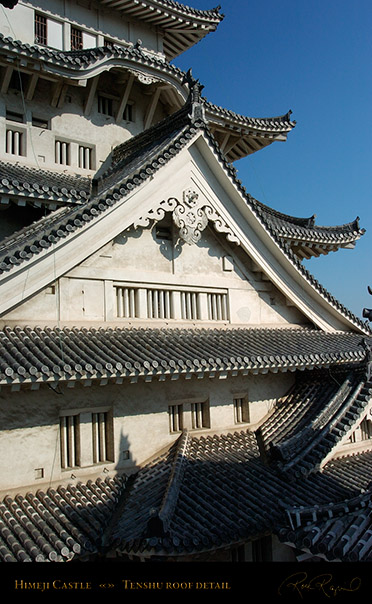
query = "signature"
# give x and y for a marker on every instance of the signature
(301, 584)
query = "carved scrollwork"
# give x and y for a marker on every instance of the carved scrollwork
(157, 213)
(143, 77)
(191, 216)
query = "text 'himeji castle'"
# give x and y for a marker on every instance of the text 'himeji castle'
(175, 384)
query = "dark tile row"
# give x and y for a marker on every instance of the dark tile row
(36, 354)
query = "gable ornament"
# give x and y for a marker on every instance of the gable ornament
(189, 216)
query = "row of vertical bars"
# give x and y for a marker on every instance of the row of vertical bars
(159, 304)
(13, 143)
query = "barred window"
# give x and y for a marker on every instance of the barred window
(217, 307)
(200, 415)
(85, 157)
(76, 39)
(70, 441)
(105, 105)
(41, 31)
(14, 142)
(128, 113)
(159, 304)
(62, 153)
(100, 437)
(189, 306)
(126, 302)
(241, 410)
(86, 438)
(176, 418)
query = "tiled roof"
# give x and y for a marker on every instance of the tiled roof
(58, 524)
(319, 411)
(42, 185)
(55, 354)
(205, 492)
(336, 532)
(135, 162)
(182, 25)
(305, 237)
(210, 492)
(81, 62)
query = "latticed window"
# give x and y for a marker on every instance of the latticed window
(85, 157)
(86, 438)
(176, 418)
(62, 153)
(241, 410)
(100, 437)
(200, 415)
(41, 31)
(128, 113)
(126, 302)
(70, 441)
(14, 142)
(189, 306)
(105, 105)
(76, 39)
(217, 307)
(159, 304)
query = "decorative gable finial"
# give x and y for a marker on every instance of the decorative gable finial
(195, 98)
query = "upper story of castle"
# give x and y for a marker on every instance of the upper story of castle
(79, 78)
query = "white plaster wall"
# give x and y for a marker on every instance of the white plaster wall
(136, 257)
(18, 23)
(30, 421)
(102, 133)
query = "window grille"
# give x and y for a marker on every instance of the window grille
(62, 153)
(366, 429)
(128, 113)
(159, 304)
(105, 105)
(14, 142)
(70, 441)
(217, 307)
(100, 437)
(85, 158)
(126, 302)
(76, 39)
(176, 418)
(199, 415)
(241, 410)
(189, 306)
(41, 33)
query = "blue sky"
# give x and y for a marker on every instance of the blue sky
(312, 57)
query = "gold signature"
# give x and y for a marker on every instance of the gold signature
(301, 584)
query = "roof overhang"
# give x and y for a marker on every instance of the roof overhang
(181, 25)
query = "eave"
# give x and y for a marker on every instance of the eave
(237, 135)
(180, 25)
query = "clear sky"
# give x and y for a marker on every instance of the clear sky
(312, 57)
